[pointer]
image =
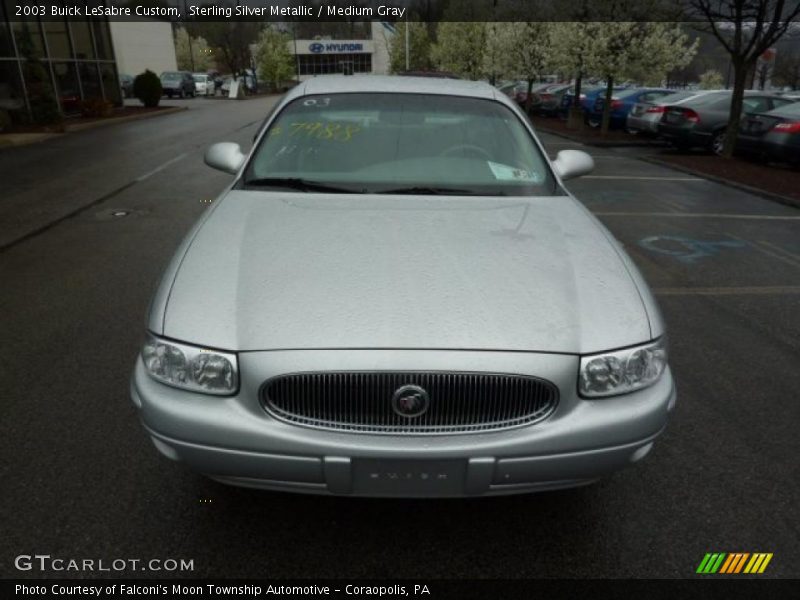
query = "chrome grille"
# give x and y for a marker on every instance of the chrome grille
(362, 401)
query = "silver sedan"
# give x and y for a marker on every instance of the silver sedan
(397, 296)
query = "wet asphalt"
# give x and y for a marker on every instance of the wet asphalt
(81, 480)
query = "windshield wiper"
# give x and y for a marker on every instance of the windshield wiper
(428, 191)
(303, 185)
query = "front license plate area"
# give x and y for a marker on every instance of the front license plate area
(409, 477)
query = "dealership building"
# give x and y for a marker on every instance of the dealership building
(321, 56)
(79, 60)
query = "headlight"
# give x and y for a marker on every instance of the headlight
(622, 371)
(189, 367)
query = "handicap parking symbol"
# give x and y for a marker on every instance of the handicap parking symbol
(686, 250)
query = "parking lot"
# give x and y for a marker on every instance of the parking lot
(88, 222)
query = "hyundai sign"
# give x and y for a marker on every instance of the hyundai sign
(334, 46)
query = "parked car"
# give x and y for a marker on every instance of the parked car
(408, 303)
(203, 84)
(521, 95)
(588, 96)
(178, 83)
(511, 88)
(645, 115)
(126, 85)
(702, 121)
(547, 102)
(774, 135)
(622, 102)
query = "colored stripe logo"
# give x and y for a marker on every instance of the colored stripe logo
(731, 563)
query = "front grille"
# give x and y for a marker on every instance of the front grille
(363, 401)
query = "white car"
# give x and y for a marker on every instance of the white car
(203, 84)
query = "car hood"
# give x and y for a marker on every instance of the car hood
(273, 270)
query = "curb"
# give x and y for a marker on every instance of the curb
(35, 138)
(116, 120)
(785, 200)
(598, 143)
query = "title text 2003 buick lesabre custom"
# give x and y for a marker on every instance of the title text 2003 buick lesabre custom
(396, 296)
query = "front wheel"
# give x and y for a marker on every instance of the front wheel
(718, 142)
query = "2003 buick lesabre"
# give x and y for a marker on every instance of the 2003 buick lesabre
(396, 296)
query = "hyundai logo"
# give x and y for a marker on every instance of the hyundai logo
(316, 48)
(410, 401)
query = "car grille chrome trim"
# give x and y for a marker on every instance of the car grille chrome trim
(361, 402)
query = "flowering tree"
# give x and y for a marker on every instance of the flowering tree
(459, 48)
(643, 50)
(275, 62)
(192, 53)
(419, 44)
(711, 80)
(519, 50)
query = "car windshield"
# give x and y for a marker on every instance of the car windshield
(170, 76)
(402, 143)
(200, 78)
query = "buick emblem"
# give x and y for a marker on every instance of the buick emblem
(410, 401)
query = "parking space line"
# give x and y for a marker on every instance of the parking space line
(162, 167)
(682, 215)
(792, 262)
(766, 290)
(780, 250)
(643, 178)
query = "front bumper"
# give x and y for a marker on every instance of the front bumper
(234, 440)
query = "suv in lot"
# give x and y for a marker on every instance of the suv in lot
(178, 83)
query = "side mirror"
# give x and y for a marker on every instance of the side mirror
(573, 163)
(225, 156)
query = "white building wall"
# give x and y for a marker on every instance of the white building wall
(140, 45)
(382, 38)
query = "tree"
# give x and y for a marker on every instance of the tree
(192, 53)
(231, 41)
(519, 50)
(419, 43)
(275, 62)
(711, 80)
(459, 48)
(638, 50)
(571, 45)
(746, 29)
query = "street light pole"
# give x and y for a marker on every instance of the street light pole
(408, 55)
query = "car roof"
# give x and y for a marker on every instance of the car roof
(344, 84)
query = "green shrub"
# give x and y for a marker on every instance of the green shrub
(147, 88)
(96, 108)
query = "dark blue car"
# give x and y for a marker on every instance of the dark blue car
(622, 102)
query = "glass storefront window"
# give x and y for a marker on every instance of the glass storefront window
(57, 39)
(29, 38)
(110, 84)
(82, 39)
(67, 83)
(102, 39)
(6, 47)
(11, 98)
(90, 80)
